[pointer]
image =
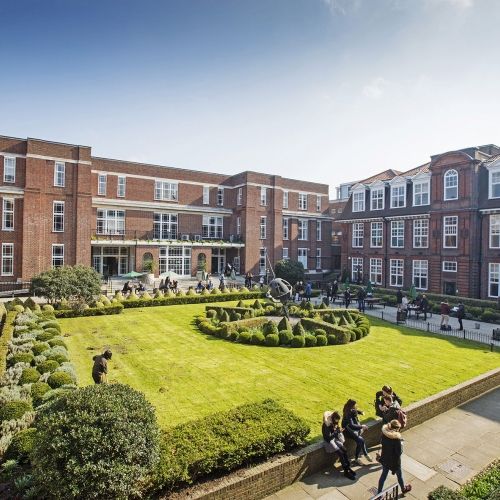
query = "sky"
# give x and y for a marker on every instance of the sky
(324, 90)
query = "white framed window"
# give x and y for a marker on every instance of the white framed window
(58, 216)
(451, 185)
(8, 214)
(220, 196)
(102, 181)
(358, 201)
(358, 231)
(263, 196)
(285, 199)
(206, 195)
(212, 226)
(376, 235)
(318, 258)
(263, 228)
(357, 269)
(59, 173)
(165, 226)
(421, 193)
(318, 203)
(494, 177)
(176, 259)
(318, 230)
(303, 225)
(421, 233)
(285, 253)
(495, 231)
(449, 266)
(396, 268)
(450, 231)
(302, 256)
(376, 271)
(166, 191)
(7, 259)
(285, 229)
(110, 221)
(397, 234)
(238, 226)
(398, 196)
(377, 198)
(262, 261)
(239, 197)
(9, 169)
(57, 255)
(420, 274)
(121, 186)
(302, 201)
(494, 279)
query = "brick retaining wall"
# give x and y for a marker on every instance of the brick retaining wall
(278, 473)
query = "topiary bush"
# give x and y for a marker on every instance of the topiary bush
(272, 340)
(298, 341)
(57, 342)
(310, 340)
(21, 445)
(29, 376)
(20, 357)
(332, 339)
(285, 337)
(60, 358)
(319, 331)
(39, 347)
(45, 336)
(258, 338)
(58, 379)
(38, 389)
(245, 337)
(284, 324)
(48, 366)
(13, 410)
(298, 329)
(101, 441)
(321, 340)
(445, 493)
(270, 328)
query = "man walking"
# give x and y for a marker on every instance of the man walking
(399, 298)
(361, 299)
(460, 314)
(445, 315)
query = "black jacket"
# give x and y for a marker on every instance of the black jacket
(379, 401)
(392, 449)
(351, 422)
(330, 433)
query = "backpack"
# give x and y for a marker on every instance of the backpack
(402, 418)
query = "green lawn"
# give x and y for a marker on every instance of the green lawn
(186, 374)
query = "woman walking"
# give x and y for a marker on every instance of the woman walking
(354, 429)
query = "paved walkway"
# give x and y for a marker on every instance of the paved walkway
(448, 449)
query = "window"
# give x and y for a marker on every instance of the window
(420, 274)
(302, 201)
(8, 214)
(377, 198)
(212, 227)
(206, 195)
(494, 280)
(262, 261)
(302, 256)
(57, 255)
(7, 259)
(303, 230)
(59, 173)
(176, 259)
(285, 199)
(318, 203)
(285, 229)
(358, 201)
(110, 221)
(398, 196)
(376, 236)
(420, 193)
(357, 269)
(494, 231)
(358, 229)
(220, 196)
(166, 191)
(239, 197)
(285, 253)
(397, 272)
(449, 266)
(397, 234)
(420, 233)
(101, 184)
(121, 186)
(318, 258)
(58, 216)
(451, 185)
(376, 271)
(9, 169)
(450, 229)
(263, 228)
(263, 196)
(495, 184)
(238, 226)
(318, 230)
(165, 226)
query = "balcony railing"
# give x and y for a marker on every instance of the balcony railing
(156, 236)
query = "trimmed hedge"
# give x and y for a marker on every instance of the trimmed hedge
(21, 445)
(14, 410)
(222, 442)
(114, 308)
(6, 335)
(58, 379)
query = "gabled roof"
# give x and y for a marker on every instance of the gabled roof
(422, 169)
(386, 175)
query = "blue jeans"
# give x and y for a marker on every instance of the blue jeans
(360, 444)
(383, 477)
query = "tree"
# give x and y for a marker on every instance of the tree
(289, 270)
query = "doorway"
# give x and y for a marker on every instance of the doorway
(110, 266)
(450, 288)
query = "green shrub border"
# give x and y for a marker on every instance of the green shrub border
(7, 330)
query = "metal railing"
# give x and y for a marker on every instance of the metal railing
(152, 235)
(12, 288)
(391, 493)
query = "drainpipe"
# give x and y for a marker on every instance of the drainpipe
(386, 267)
(480, 260)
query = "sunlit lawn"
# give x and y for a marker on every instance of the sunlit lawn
(186, 374)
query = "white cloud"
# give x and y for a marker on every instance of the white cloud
(460, 4)
(376, 88)
(341, 7)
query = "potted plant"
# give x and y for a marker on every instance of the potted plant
(150, 268)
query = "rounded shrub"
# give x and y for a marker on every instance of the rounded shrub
(21, 445)
(45, 336)
(352, 335)
(245, 337)
(285, 337)
(298, 341)
(49, 365)
(14, 410)
(29, 376)
(58, 379)
(20, 357)
(101, 441)
(319, 331)
(39, 347)
(51, 324)
(310, 340)
(332, 339)
(270, 328)
(211, 313)
(258, 338)
(298, 329)
(321, 340)
(57, 342)
(234, 335)
(18, 308)
(224, 317)
(272, 340)
(99, 305)
(38, 389)
(132, 297)
(60, 358)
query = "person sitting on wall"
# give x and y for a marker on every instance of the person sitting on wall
(126, 287)
(379, 399)
(210, 285)
(200, 287)
(162, 284)
(141, 287)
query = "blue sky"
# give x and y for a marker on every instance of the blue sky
(327, 90)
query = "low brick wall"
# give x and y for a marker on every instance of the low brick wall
(267, 478)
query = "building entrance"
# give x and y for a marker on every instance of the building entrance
(110, 261)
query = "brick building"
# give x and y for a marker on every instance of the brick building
(62, 206)
(437, 225)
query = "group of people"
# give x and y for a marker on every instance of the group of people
(301, 291)
(361, 296)
(168, 284)
(204, 285)
(332, 289)
(336, 428)
(129, 287)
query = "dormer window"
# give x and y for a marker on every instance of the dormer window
(377, 198)
(358, 201)
(495, 183)
(421, 189)
(398, 196)
(451, 185)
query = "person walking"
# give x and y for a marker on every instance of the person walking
(335, 291)
(390, 458)
(100, 368)
(347, 298)
(424, 306)
(445, 315)
(361, 299)
(460, 314)
(399, 298)
(354, 429)
(308, 291)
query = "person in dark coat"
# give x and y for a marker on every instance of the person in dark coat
(390, 458)
(361, 299)
(335, 441)
(399, 298)
(347, 298)
(354, 429)
(308, 291)
(445, 315)
(100, 368)
(460, 314)
(379, 399)
(424, 306)
(335, 291)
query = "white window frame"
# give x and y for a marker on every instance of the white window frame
(494, 278)
(358, 200)
(7, 259)
(285, 254)
(423, 273)
(121, 186)
(212, 227)
(303, 229)
(6, 211)
(102, 182)
(423, 192)
(59, 174)
(356, 265)
(9, 169)
(302, 201)
(318, 203)
(166, 190)
(397, 197)
(318, 230)
(239, 197)
(450, 181)
(378, 225)
(302, 256)
(285, 199)
(238, 226)
(450, 266)
(110, 221)
(377, 198)
(318, 259)
(57, 217)
(263, 196)
(263, 261)
(376, 270)
(206, 195)
(286, 228)
(263, 228)
(165, 225)
(358, 234)
(397, 233)
(450, 229)
(220, 196)
(493, 172)
(494, 232)
(59, 257)
(423, 232)
(396, 272)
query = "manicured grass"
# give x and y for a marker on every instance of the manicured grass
(186, 374)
